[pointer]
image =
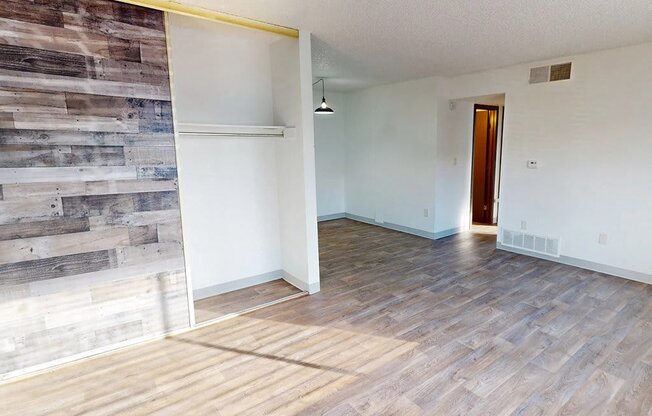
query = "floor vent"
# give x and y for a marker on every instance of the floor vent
(530, 242)
(558, 72)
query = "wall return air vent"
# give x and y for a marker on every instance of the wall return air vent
(558, 72)
(543, 245)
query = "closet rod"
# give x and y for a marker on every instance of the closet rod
(204, 133)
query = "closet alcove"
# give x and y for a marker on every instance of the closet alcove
(242, 103)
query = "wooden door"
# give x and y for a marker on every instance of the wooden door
(485, 134)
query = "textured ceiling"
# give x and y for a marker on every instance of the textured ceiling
(359, 43)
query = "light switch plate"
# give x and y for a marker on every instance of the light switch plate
(532, 164)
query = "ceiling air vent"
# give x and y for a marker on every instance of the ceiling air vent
(539, 74)
(550, 73)
(560, 72)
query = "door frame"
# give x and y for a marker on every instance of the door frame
(492, 186)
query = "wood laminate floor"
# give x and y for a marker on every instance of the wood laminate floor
(403, 325)
(239, 300)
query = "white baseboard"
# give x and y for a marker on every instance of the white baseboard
(407, 230)
(330, 217)
(300, 284)
(584, 264)
(207, 292)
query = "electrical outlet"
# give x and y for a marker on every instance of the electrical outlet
(426, 212)
(532, 164)
(602, 239)
(523, 225)
(454, 161)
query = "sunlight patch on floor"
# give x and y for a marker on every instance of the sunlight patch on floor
(232, 367)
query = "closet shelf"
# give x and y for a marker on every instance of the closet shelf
(225, 130)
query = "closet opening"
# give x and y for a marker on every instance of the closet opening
(237, 108)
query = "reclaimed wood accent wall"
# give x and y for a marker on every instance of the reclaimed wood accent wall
(90, 236)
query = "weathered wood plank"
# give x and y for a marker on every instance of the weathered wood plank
(34, 121)
(138, 16)
(156, 172)
(23, 156)
(109, 205)
(22, 190)
(13, 251)
(7, 121)
(170, 232)
(43, 228)
(154, 51)
(144, 234)
(66, 174)
(28, 208)
(17, 101)
(119, 107)
(109, 27)
(57, 83)
(55, 267)
(19, 33)
(124, 50)
(45, 137)
(56, 5)
(125, 272)
(148, 253)
(132, 186)
(42, 61)
(150, 156)
(135, 219)
(151, 72)
(23, 11)
(156, 201)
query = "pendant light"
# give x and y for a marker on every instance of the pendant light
(323, 108)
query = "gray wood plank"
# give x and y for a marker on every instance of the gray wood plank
(43, 228)
(57, 83)
(22, 156)
(157, 172)
(119, 204)
(20, 58)
(33, 248)
(144, 234)
(55, 267)
(66, 174)
(21, 190)
(68, 138)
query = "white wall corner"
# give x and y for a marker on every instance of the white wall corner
(305, 71)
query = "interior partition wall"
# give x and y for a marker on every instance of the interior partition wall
(91, 253)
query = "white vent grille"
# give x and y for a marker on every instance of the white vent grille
(557, 72)
(539, 74)
(530, 242)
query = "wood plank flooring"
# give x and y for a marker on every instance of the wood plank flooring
(403, 325)
(239, 300)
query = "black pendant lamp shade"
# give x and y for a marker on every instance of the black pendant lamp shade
(323, 108)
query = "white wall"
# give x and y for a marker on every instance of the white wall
(228, 187)
(295, 159)
(592, 137)
(330, 154)
(391, 153)
(229, 206)
(222, 72)
(453, 166)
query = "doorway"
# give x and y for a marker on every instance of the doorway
(483, 174)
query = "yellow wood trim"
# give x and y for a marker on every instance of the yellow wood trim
(194, 11)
